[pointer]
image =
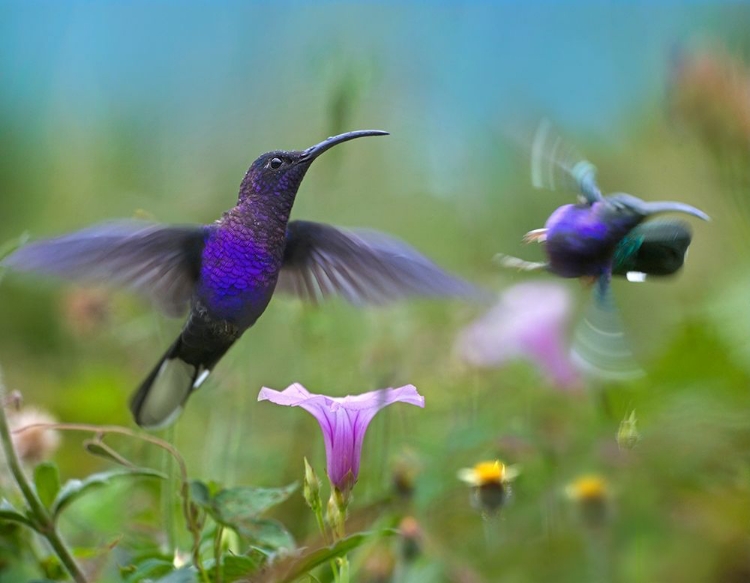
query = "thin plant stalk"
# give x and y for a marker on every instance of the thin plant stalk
(191, 519)
(321, 525)
(44, 522)
(217, 552)
(490, 536)
(343, 569)
(167, 494)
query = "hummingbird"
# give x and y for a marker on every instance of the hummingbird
(225, 274)
(598, 237)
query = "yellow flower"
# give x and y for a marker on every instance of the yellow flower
(486, 473)
(491, 484)
(588, 488)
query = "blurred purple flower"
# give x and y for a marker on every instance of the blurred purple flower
(344, 421)
(528, 322)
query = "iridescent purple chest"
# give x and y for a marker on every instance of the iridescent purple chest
(238, 274)
(580, 240)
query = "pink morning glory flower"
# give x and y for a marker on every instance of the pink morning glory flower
(344, 421)
(528, 322)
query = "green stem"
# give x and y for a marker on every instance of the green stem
(488, 525)
(45, 522)
(343, 569)
(597, 552)
(167, 494)
(335, 570)
(217, 552)
(321, 524)
(190, 519)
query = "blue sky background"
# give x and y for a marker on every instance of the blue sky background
(223, 81)
(587, 63)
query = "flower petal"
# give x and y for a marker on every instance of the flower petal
(529, 321)
(343, 421)
(292, 396)
(381, 398)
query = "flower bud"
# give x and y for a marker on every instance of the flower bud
(405, 470)
(336, 511)
(627, 433)
(311, 489)
(411, 538)
(35, 443)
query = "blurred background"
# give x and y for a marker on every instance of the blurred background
(156, 110)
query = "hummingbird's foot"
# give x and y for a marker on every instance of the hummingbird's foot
(516, 263)
(535, 236)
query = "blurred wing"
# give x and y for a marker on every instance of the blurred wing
(363, 267)
(599, 345)
(655, 248)
(556, 165)
(162, 263)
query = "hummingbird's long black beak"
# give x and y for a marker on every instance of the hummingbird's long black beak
(314, 151)
(651, 208)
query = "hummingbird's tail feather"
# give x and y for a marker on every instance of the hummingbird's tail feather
(183, 368)
(655, 248)
(160, 398)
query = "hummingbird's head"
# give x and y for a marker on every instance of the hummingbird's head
(623, 203)
(622, 212)
(280, 173)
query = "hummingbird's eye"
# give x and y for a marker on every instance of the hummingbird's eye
(276, 163)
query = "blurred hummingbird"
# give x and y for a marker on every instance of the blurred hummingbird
(227, 272)
(598, 237)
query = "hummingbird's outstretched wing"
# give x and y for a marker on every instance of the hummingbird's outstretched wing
(655, 248)
(599, 344)
(556, 165)
(363, 267)
(160, 262)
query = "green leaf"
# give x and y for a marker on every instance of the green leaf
(148, 569)
(236, 567)
(302, 565)
(200, 494)
(235, 504)
(8, 512)
(100, 449)
(266, 533)
(183, 575)
(74, 489)
(47, 482)
(240, 508)
(52, 568)
(249, 501)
